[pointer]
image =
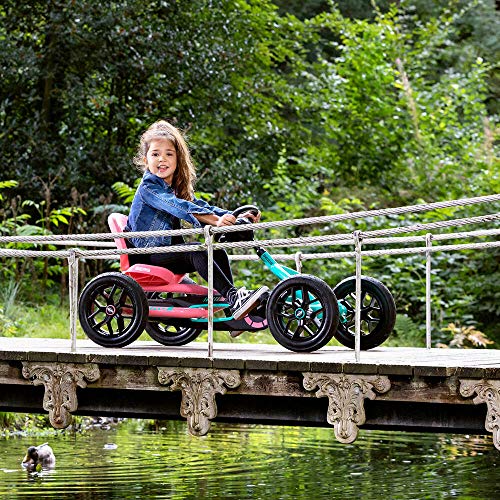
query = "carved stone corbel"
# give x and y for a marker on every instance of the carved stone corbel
(198, 386)
(346, 395)
(60, 381)
(488, 391)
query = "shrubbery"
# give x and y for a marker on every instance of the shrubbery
(331, 110)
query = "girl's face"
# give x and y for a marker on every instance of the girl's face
(161, 159)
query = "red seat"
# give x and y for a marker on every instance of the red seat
(117, 223)
(146, 275)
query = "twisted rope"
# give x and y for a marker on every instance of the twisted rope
(263, 225)
(99, 253)
(380, 241)
(367, 213)
(333, 239)
(278, 257)
(279, 242)
(298, 255)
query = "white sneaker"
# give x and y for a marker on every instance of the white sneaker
(246, 300)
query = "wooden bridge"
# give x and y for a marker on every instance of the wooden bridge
(446, 390)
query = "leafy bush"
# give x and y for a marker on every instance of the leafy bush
(465, 337)
(339, 109)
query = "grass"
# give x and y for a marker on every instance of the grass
(52, 321)
(45, 321)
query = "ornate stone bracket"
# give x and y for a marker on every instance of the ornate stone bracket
(198, 386)
(346, 395)
(60, 381)
(488, 391)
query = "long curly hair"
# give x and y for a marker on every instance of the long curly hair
(185, 173)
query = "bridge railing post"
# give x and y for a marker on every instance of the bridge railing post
(73, 295)
(357, 313)
(210, 252)
(428, 263)
(298, 261)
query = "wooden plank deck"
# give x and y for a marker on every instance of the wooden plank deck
(477, 363)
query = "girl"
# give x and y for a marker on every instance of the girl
(166, 195)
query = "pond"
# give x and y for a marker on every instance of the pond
(133, 461)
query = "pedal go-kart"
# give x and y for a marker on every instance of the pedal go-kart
(302, 312)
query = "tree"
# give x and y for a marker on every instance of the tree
(81, 80)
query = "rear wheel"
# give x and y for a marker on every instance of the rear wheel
(171, 335)
(165, 333)
(378, 312)
(302, 313)
(113, 310)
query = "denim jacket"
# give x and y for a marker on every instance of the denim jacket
(155, 207)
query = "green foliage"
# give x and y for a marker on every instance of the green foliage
(10, 220)
(400, 114)
(32, 424)
(465, 337)
(45, 319)
(108, 70)
(124, 191)
(7, 184)
(406, 333)
(8, 328)
(14, 221)
(307, 107)
(393, 99)
(8, 294)
(54, 217)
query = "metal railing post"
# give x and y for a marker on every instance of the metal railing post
(210, 251)
(73, 295)
(357, 313)
(298, 262)
(428, 256)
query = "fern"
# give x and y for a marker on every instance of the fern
(407, 333)
(7, 184)
(124, 191)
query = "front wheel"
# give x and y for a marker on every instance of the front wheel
(378, 312)
(171, 335)
(302, 313)
(113, 310)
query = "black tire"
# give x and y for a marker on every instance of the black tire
(113, 310)
(171, 335)
(378, 312)
(166, 333)
(291, 320)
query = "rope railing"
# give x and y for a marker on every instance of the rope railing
(357, 239)
(349, 241)
(343, 239)
(376, 241)
(262, 225)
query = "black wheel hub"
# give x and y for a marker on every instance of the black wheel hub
(299, 313)
(110, 310)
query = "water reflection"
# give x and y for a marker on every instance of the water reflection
(258, 462)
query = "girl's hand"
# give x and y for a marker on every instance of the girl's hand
(251, 216)
(226, 220)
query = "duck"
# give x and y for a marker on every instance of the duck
(39, 457)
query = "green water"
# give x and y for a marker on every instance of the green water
(254, 462)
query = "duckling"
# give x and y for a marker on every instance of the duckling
(39, 457)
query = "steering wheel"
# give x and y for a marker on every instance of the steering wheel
(244, 235)
(245, 208)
